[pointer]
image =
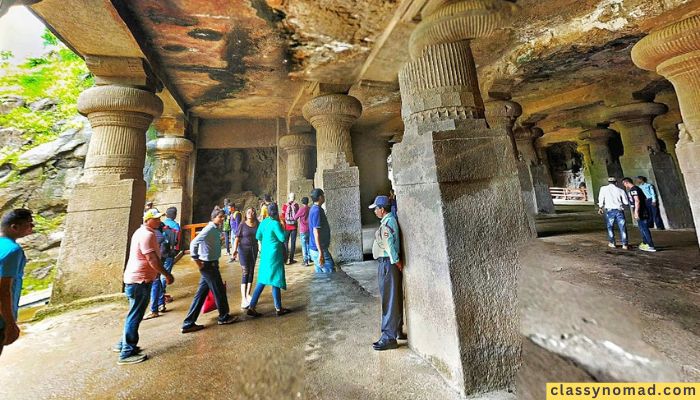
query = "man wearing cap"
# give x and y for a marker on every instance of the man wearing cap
(385, 250)
(652, 202)
(141, 270)
(320, 234)
(611, 202)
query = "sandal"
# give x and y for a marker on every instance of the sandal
(151, 316)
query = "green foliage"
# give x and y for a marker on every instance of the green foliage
(31, 283)
(49, 38)
(6, 55)
(47, 225)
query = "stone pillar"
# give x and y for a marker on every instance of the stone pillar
(332, 115)
(172, 152)
(539, 172)
(107, 204)
(456, 183)
(501, 114)
(674, 52)
(643, 156)
(585, 151)
(599, 152)
(298, 149)
(600, 158)
(669, 135)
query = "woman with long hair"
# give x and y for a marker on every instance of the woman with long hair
(245, 245)
(271, 236)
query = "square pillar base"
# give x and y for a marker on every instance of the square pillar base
(540, 183)
(342, 189)
(101, 219)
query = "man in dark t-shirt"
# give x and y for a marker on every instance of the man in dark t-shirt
(640, 213)
(320, 234)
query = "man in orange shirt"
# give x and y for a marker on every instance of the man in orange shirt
(142, 269)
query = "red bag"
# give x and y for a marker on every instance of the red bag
(209, 302)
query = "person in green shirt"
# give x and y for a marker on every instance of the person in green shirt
(270, 234)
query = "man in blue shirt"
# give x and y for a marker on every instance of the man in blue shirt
(15, 224)
(652, 202)
(385, 250)
(320, 234)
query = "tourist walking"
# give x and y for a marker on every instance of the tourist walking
(302, 217)
(289, 210)
(386, 250)
(652, 202)
(245, 246)
(141, 270)
(205, 250)
(235, 219)
(640, 213)
(271, 271)
(320, 234)
(14, 225)
(267, 200)
(226, 228)
(169, 263)
(611, 202)
(167, 240)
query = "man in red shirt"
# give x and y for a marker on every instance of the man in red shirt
(289, 210)
(141, 270)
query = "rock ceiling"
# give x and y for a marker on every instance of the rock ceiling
(253, 58)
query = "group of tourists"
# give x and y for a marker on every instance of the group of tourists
(642, 199)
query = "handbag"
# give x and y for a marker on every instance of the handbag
(210, 302)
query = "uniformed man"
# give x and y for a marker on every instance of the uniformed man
(385, 250)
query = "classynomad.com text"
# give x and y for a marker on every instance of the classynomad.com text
(623, 391)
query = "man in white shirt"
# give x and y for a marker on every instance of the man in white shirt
(611, 201)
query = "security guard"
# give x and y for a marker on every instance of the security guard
(385, 249)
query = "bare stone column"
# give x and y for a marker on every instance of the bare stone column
(172, 153)
(539, 172)
(332, 115)
(501, 114)
(599, 153)
(669, 135)
(298, 148)
(585, 151)
(456, 182)
(107, 204)
(643, 156)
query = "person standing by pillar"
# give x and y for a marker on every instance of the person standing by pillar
(652, 202)
(385, 250)
(245, 245)
(320, 233)
(205, 250)
(302, 216)
(640, 213)
(289, 210)
(611, 203)
(14, 225)
(141, 270)
(170, 215)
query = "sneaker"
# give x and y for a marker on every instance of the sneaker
(117, 348)
(283, 311)
(612, 245)
(151, 315)
(648, 248)
(253, 313)
(162, 309)
(625, 247)
(134, 359)
(193, 328)
(643, 246)
(228, 320)
(244, 305)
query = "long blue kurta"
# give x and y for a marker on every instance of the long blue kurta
(271, 237)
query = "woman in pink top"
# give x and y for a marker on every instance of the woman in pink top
(303, 217)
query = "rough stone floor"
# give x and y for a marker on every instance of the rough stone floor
(589, 313)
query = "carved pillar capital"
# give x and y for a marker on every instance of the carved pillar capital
(634, 122)
(502, 113)
(596, 136)
(297, 141)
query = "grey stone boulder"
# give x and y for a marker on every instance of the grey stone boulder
(12, 137)
(9, 103)
(67, 141)
(43, 104)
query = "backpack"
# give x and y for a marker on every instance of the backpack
(289, 216)
(227, 224)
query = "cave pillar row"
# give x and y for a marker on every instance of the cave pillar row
(599, 156)
(107, 204)
(454, 171)
(501, 114)
(643, 156)
(297, 148)
(674, 53)
(172, 153)
(539, 171)
(332, 115)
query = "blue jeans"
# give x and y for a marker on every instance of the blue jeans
(305, 246)
(138, 294)
(391, 293)
(276, 296)
(616, 216)
(643, 225)
(159, 285)
(290, 243)
(328, 265)
(654, 215)
(210, 280)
